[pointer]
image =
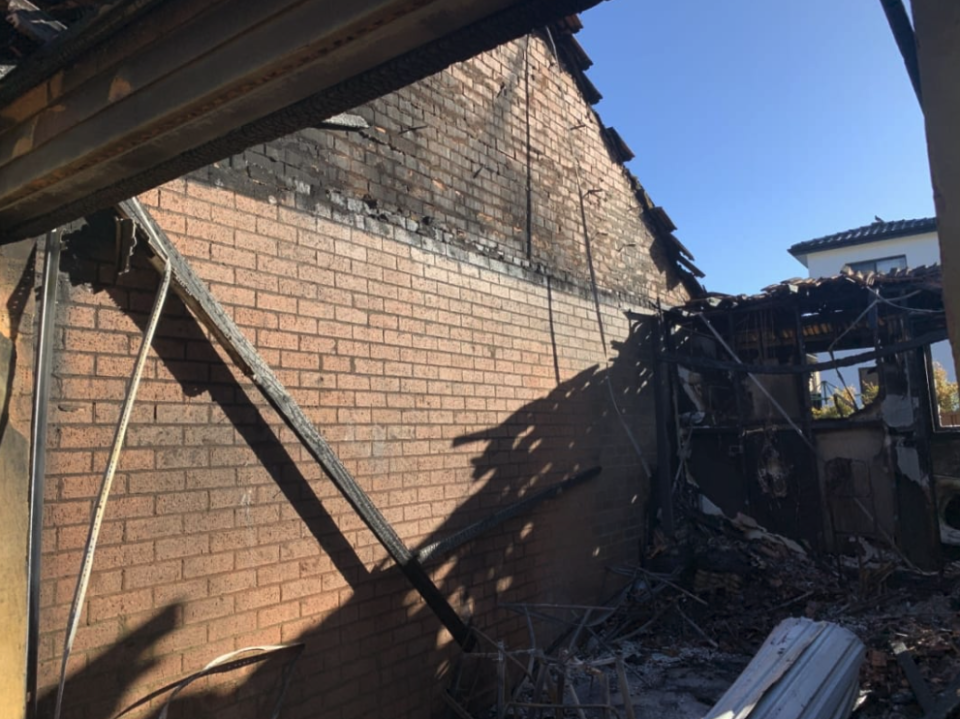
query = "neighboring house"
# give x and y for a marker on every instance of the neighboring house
(879, 247)
(443, 289)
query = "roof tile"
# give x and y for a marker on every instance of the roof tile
(868, 233)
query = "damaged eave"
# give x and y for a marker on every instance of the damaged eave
(149, 92)
(576, 61)
(834, 312)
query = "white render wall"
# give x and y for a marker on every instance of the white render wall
(919, 249)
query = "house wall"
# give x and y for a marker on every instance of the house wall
(453, 371)
(919, 249)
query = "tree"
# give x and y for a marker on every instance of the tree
(948, 396)
(843, 402)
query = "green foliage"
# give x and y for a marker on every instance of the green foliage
(948, 396)
(844, 401)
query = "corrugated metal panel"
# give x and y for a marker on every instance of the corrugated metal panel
(804, 670)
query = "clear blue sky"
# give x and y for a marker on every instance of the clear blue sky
(760, 123)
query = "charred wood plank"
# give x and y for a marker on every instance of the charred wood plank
(201, 81)
(921, 690)
(710, 363)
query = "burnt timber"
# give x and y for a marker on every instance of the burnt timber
(145, 92)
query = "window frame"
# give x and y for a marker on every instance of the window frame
(859, 266)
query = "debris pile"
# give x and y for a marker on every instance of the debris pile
(689, 621)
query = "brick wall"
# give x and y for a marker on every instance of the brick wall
(491, 155)
(450, 374)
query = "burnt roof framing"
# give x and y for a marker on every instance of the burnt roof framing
(847, 311)
(87, 123)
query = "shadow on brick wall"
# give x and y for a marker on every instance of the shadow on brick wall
(97, 689)
(382, 652)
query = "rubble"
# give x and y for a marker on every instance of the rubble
(687, 623)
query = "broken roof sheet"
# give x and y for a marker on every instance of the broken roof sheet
(874, 232)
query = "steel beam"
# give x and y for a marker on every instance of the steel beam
(165, 87)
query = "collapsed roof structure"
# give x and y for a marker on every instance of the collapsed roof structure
(407, 336)
(757, 436)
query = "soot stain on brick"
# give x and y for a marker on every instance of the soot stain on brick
(468, 176)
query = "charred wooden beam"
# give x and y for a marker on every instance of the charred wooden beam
(661, 375)
(153, 89)
(889, 350)
(921, 690)
(906, 41)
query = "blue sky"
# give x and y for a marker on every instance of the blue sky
(761, 123)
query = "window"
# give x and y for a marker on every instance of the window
(884, 264)
(945, 394)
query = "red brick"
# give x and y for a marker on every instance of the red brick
(215, 195)
(207, 564)
(120, 605)
(239, 581)
(174, 202)
(152, 528)
(182, 502)
(180, 592)
(278, 614)
(260, 597)
(206, 609)
(258, 557)
(231, 626)
(149, 575)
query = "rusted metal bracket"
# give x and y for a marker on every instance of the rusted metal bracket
(208, 312)
(126, 243)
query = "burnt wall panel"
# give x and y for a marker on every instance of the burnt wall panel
(858, 479)
(17, 279)
(768, 475)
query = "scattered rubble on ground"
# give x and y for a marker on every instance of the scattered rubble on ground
(689, 621)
